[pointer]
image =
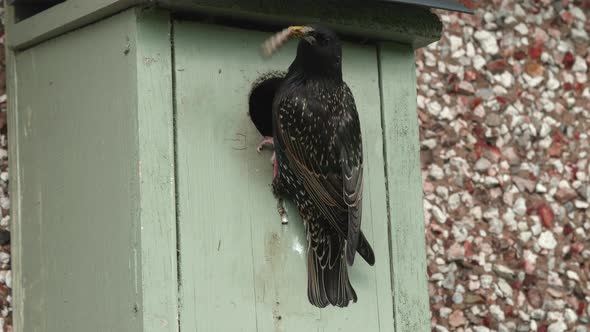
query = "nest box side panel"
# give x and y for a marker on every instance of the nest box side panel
(240, 268)
(404, 181)
(78, 180)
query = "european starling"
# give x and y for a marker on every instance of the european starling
(318, 146)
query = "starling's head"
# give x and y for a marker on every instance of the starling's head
(319, 51)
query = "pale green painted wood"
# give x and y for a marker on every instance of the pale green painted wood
(59, 19)
(14, 187)
(92, 179)
(156, 171)
(241, 270)
(402, 156)
(78, 181)
(377, 20)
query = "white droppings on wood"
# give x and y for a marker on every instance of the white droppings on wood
(297, 247)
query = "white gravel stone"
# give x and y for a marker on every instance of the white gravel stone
(497, 313)
(553, 84)
(478, 62)
(545, 130)
(482, 165)
(436, 172)
(578, 13)
(444, 312)
(522, 29)
(520, 206)
(506, 79)
(429, 143)
(456, 42)
(486, 281)
(547, 240)
(487, 41)
(438, 214)
(557, 327)
(480, 328)
(580, 65)
(447, 114)
(454, 201)
(4, 258)
(505, 288)
(570, 316)
(434, 108)
(573, 275)
(581, 204)
(525, 236)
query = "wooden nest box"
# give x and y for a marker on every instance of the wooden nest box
(139, 202)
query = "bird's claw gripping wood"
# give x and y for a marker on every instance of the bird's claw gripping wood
(282, 211)
(267, 140)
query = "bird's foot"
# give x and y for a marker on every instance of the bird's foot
(267, 140)
(282, 211)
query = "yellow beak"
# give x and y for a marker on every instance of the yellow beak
(299, 31)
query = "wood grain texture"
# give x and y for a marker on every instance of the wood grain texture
(241, 270)
(92, 171)
(156, 171)
(402, 156)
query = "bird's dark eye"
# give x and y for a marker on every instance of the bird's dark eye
(320, 39)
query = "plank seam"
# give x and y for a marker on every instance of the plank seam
(175, 161)
(386, 172)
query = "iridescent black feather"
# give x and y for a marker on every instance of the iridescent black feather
(318, 144)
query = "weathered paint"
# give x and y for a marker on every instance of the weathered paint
(92, 165)
(384, 21)
(155, 167)
(241, 269)
(404, 182)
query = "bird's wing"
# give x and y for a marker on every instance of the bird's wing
(334, 183)
(351, 159)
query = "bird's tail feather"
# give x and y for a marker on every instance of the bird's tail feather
(365, 250)
(328, 281)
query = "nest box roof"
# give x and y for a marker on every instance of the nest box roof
(453, 5)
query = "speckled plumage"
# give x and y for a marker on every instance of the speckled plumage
(318, 146)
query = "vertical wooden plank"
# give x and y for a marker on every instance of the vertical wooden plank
(237, 260)
(156, 171)
(402, 157)
(77, 181)
(15, 186)
(371, 283)
(214, 194)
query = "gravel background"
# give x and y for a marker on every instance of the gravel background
(5, 276)
(504, 108)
